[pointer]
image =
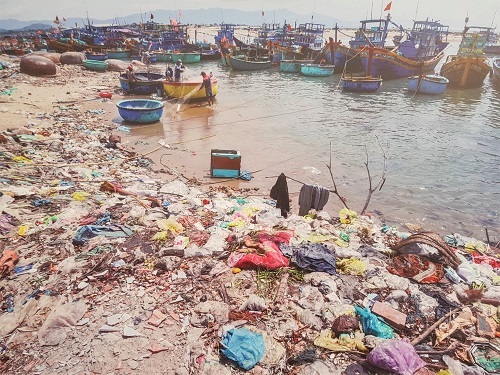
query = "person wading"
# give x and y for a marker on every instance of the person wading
(207, 83)
(178, 70)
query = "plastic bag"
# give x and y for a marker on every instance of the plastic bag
(352, 266)
(398, 356)
(347, 216)
(372, 325)
(244, 347)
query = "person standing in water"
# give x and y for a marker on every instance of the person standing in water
(178, 70)
(207, 83)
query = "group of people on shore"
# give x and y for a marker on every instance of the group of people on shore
(175, 75)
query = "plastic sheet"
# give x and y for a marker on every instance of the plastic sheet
(397, 356)
(373, 325)
(88, 232)
(244, 347)
(311, 257)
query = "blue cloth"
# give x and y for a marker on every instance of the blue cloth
(88, 232)
(311, 257)
(244, 347)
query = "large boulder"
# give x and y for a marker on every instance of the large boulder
(72, 58)
(116, 65)
(55, 57)
(34, 65)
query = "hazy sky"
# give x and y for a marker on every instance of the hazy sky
(450, 12)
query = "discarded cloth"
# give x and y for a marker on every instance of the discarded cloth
(342, 344)
(261, 252)
(7, 262)
(88, 232)
(244, 347)
(312, 197)
(396, 356)
(416, 267)
(373, 325)
(279, 192)
(311, 257)
(352, 266)
(6, 224)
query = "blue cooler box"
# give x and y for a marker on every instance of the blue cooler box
(225, 163)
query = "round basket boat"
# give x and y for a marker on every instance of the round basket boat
(141, 111)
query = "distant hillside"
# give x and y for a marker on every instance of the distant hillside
(37, 26)
(189, 16)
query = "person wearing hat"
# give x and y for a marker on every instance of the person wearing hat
(130, 74)
(178, 70)
(207, 83)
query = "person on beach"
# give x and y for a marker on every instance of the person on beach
(130, 73)
(169, 73)
(178, 70)
(207, 83)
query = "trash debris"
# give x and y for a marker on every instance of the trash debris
(397, 356)
(244, 347)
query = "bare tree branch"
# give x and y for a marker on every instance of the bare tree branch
(381, 182)
(335, 191)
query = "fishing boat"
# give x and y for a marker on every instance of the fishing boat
(95, 65)
(145, 83)
(162, 56)
(225, 34)
(210, 55)
(189, 89)
(372, 32)
(292, 66)
(243, 63)
(186, 57)
(141, 111)
(496, 69)
(469, 67)
(120, 54)
(316, 70)
(350, 83)
(430, 84)
(67, 45)
(99, 56)
(419, 53)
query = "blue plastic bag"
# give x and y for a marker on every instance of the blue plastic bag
(244, 347)
(373, 325)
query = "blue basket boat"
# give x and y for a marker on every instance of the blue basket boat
(360, 84)
(95, 65)
(316, 70)
(142, 111)
(430, 84)
(145, 83)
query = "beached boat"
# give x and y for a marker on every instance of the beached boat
(240, 63)
(292, 66)
(496, 69)
(98, 56)
(120, 54)
(66, 45)
(430, 84)
(419, 53)
(186, 57)
(350, 83)
(188, 89)
(469, 67)
(141, 111)
(95, 65)
(316, 70)
(145, 83)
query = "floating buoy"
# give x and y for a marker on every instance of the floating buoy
(106, 95)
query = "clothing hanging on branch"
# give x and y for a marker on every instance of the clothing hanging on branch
(312, 197)
(279, 192)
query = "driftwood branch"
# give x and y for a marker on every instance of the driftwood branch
(432, 328)
(381, 182)
(335, 190)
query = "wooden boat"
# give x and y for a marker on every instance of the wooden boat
(360, 84)
(13, 51)
(419, 53)
(496, 69)
(99, 56)
(98, 66)
(212, 55)
(188, 89)
(64, 45)
(141, 111)
(119, 54)
(145, 83)
(162, 56)
(316, 70)
(186, 57)
(292, 66)
(430, 84)
(240, 63)
(469, 67)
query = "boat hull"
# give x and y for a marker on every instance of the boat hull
(187, 57)
(118, 54)
(389, 65)
(210, 56)
(343, 55)
(290, 66)
(315, 70)
(360, 84)
(465, 72)
(492, 49)
(239, 64)
(145, 84)
(428, 85)
(95, 65)
(496, 69)
(188, 89)
(96, 56)
(140, 111)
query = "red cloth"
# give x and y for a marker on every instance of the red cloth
(416, 267)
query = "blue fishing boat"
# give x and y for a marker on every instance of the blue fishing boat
(292, 66)
(120, 54)
(225, 34)
(144, 84)
(186, 57)
(420, 52)
(242, 63)
(141, 111)
(99, 56)
(349, 83)
(95, 65)
(316, 70)
(430, 84)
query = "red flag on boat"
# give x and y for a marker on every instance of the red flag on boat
(388, 7)
(262, 13)
(56, 21)
(152, 16)
(289, 27)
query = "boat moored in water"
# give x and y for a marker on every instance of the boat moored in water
(244, 64)
(188, 89)
(350, 83)
(496, 69)
(316, 70)
(292, 66)
(430, 84)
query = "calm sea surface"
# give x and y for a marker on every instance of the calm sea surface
(443, 152)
